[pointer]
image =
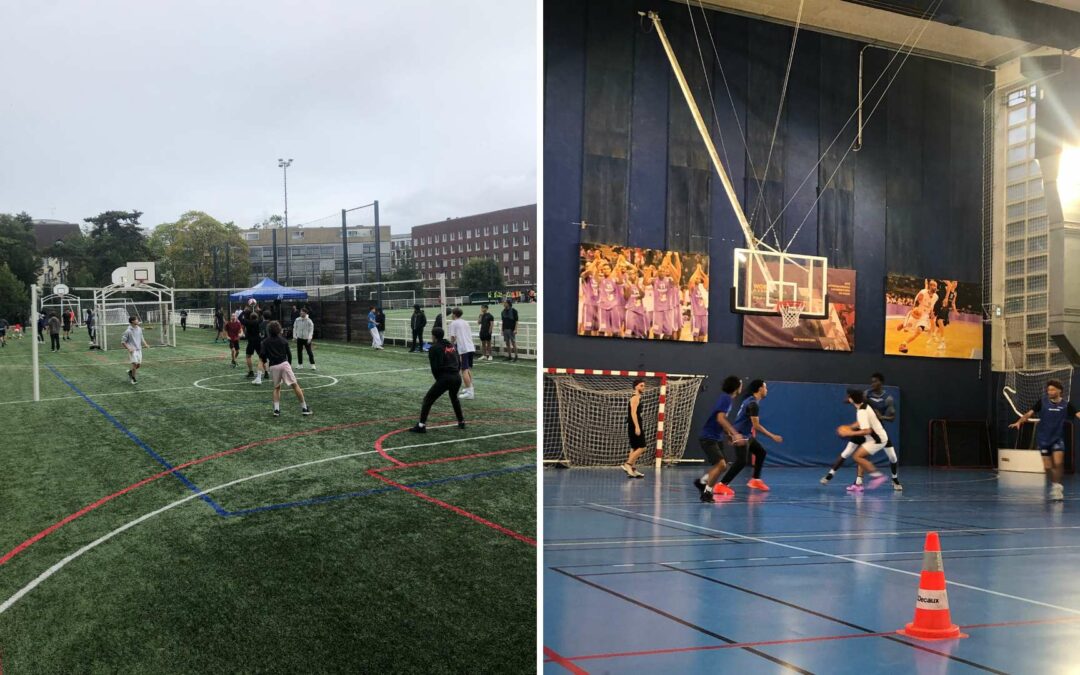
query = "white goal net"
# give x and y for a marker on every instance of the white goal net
(585, 414)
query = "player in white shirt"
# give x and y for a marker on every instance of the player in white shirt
(461, 335)
(133, 341)
(874, 439)
(921, 317)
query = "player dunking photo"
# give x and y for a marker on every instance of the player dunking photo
(635, 430)
(919, 319)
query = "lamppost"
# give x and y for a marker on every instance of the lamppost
(285, 164)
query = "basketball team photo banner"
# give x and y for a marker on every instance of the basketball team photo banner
(935, 318)
(642, 293)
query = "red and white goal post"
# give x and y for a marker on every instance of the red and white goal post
(585, 413)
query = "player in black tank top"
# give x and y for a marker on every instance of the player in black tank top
(635, 429)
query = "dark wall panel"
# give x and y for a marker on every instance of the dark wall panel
(908, 202)
(609, 76)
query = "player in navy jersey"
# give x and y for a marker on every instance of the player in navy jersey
(746, 421)
(1052, 410)
(718, 438)
(635, 429)
(882, 403)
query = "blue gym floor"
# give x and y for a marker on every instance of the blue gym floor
(641, 577)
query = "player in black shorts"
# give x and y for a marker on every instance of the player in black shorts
(635, 430)
(486, 320)
(251, 331)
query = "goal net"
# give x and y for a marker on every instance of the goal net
(585, 414)
(1024, 387)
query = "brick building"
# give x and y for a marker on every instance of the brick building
(506, 236)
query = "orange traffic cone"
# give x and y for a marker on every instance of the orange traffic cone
(932, 620)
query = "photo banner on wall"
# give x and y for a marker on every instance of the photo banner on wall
(643, 293)
(836, 333)
(936, 318)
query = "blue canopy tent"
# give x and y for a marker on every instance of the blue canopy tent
(268, 289)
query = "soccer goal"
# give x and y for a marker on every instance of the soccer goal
(585, 415)
(153, 303)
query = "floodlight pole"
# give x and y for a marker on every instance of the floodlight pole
(284, 164)
(345, 259)
(34, 339)
(378, 259)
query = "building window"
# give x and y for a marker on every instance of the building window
(525, 239)
(485, 244)
(506, 243)
(298, 234)
(251, 236)
(526, 268)
(525, 228)
(514, 227)
(525, 256)
(517, 270)
(495, 244)
(515, 241)
(506, 228)
(487, 230)
(1024, 298)
(515, 256)
(506, 257)
(478, 233)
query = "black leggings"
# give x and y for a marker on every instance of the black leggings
(55, 341)
(450, 382)
(742, 453)
(301, 345)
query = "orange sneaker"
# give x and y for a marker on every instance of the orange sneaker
(723, 491)
(757, 484)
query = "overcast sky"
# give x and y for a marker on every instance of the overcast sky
(428, 106)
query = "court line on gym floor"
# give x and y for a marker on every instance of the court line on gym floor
(825, 535)
(22, 592)
(791, 641)
(217, 455)
(867, 563)
(142, 444)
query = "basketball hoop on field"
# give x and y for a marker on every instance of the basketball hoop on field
(790, 312)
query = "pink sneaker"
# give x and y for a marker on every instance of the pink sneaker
(854, 488)
(876, 482)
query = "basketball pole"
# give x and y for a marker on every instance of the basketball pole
(34, 339)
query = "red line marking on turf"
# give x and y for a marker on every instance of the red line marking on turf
(7, 557)
(564, 662)
(377, 473)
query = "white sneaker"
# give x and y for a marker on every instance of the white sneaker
(467, 394)
(1057, 492)
(313, 367)
(257, 380)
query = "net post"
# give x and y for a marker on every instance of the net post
(442, 295)
(660, 421)
(33, 330)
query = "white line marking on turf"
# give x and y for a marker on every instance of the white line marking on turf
(382, 372)
(114, 393)
(1069, 610)
(299, 376)
(7, 604)
(459, 440)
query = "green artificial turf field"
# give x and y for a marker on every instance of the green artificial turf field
(280, 545)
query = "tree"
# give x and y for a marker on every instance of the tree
(480, 274)
(272, 223)
(407, 271)
(14, 300)
(115, 239)
(18, 248)
(187, 248)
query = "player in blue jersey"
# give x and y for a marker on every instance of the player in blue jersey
(718, 438)
(882, 403)
(746, 421)
(1052, 410)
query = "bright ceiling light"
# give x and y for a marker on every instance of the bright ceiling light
(1068, 182)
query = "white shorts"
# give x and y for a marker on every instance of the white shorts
(872, 447)
(282, 372)
(135, 356)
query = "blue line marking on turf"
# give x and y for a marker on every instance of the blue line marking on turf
(139, 442)
(375, 491)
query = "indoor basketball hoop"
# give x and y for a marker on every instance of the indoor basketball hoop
(790, 312)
